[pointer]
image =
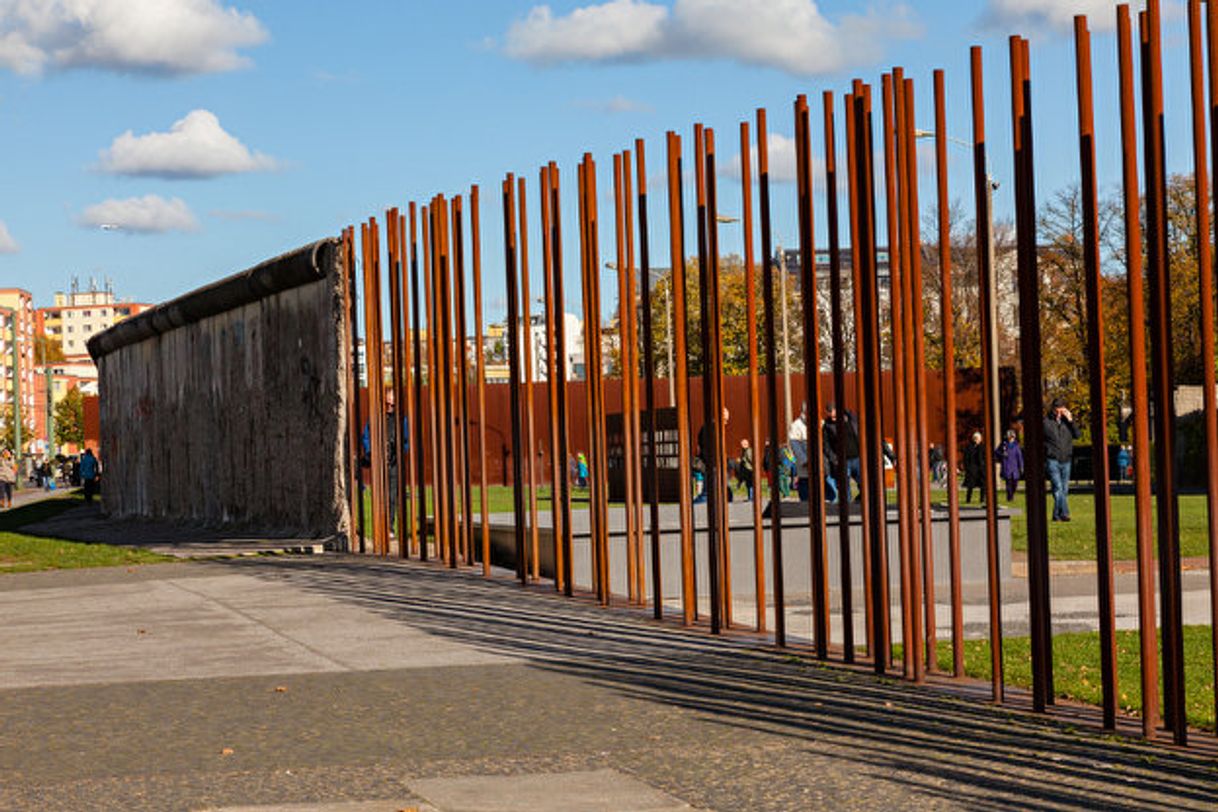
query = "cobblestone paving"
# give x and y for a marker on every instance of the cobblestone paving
(715, 723)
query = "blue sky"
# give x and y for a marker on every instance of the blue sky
(296, 119)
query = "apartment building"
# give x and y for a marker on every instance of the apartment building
(17, 305)
(79, 314)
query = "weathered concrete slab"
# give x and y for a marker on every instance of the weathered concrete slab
(591, 791)
(227, 405)
(186, 628)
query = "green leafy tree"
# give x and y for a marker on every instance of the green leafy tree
(48, 349)
(7, 439)
(70, 419)
(733, 305)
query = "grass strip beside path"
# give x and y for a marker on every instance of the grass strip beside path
(24, 553)
(1076, 668)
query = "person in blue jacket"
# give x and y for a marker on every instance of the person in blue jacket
(90, 474)
(1010, 455)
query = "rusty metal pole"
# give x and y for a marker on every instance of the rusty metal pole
(676, 228)
(554, 356)
(409, 446)
(917, 325)
(985, 273)
(452, 309)
(376, 387)
(707, 434)
(908, 394)
(594, 531)
(1031, 378)
(871, 426)
(602, 461)
(837, 334)
(475, 236)
(623, 334)
(513, 331)
(1162, 376)
(630, 381)
(1139, 387)
(750, 304)
(771, 362)
(433, 443)
(907, 184)
(716, 344)
(355, 478)
(447, 403)
(947, 321)
(893, 115)
(1205, 283)
(529, 411)
(816, 479)
(394, 231)
(595, 371)
(1095, 361)
(856, 287)
(467, 537)
(397, 524)
(652, 465)
(419, 492)
(452, 480)
(560, 416)
(434, 382)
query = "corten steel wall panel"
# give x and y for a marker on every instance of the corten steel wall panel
(233, 414)
(735, 398)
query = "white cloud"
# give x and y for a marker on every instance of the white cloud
(150, 214)
(782, 160)
(616, 30)
(617, 104)
(195, 147)
(1056, 15)
(7, 244)
(165, 37)
(790, 35)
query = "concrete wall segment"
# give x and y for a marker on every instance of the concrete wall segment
(226, 406)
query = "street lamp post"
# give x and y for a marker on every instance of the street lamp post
(672, 394)
(50, 395)
(786, 340)
(992, 339)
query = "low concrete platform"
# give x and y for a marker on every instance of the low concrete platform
(797, 561)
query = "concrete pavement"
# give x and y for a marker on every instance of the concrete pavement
(336, 682)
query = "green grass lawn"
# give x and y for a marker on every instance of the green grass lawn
(1076, 668)
(1076, 539)
(23, 553)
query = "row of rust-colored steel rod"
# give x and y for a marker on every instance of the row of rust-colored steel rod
(435, 415)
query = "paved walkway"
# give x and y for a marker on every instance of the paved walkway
(341, 683)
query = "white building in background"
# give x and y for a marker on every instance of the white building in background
(573, 352)
(78, 315)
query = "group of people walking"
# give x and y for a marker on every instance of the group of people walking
(1060, 434)
(84, 471)
(840, 435)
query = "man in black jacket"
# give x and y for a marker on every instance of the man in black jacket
(1060, 434)
(829, 433)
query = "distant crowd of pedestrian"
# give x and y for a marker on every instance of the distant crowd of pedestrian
(48, 474)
